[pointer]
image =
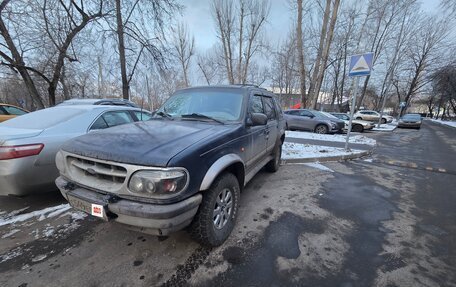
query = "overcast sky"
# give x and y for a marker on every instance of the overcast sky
(200, 23)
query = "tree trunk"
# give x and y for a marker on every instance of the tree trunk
(302, 67)
(121, 47)
(316, 71)
(328, 41)
(66, 92)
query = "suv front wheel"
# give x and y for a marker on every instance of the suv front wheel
(217, 213)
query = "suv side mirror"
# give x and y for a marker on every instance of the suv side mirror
(257, 119)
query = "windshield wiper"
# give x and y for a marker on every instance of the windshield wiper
(201, 116)
(164, 115)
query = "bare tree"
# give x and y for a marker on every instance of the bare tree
(138, 22)
(16, 60)
(423, 49)
(238, 26)
(61, 29)
(184, 46)
(326, 36)
(383, 20)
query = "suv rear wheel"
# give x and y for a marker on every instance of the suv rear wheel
(383, 121)
(217, 213)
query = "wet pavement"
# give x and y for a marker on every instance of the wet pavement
(366, 222)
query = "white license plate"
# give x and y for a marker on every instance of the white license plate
(91, 208)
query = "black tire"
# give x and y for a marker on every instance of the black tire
(274, 164)
(359, 118)
(383, 121)
(203, 228)
(357, 128)
(321, 129)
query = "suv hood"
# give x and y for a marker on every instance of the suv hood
(151, 143)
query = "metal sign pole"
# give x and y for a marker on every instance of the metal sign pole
(352, 110)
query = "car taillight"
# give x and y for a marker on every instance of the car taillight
(18, 151)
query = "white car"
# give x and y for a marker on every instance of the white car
(358, 126)
(368, 115)
(29, 143)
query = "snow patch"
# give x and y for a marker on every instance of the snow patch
(357, 139)
(300, 151)
(447, 123)
(12, 232)
(37, 213)
(11, 254)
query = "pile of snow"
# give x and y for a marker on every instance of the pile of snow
(302, 151)
(357, 139)
(447, 123)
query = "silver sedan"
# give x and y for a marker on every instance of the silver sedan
(28, 144)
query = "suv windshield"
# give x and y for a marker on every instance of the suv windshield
(219, 105)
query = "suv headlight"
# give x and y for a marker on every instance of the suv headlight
(158, 183)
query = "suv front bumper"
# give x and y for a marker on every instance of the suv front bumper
(157, 219)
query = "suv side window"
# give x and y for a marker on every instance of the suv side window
(269, 108)
(2, 111)
(256, 104)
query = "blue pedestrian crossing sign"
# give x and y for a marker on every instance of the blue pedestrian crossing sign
(360, 65)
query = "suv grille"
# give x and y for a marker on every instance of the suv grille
(96, 174)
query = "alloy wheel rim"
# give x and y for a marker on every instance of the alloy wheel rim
(321, 130)
(223, 208)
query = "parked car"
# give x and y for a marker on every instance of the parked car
(358, 126)
(311, 120)
(368, 115)
(9, 111)
(28, 144)
(109, 102)
(410, 121)
(186, 166)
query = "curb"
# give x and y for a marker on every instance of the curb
(384, 131)
(328, 158)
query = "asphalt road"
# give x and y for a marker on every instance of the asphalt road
(388, 220)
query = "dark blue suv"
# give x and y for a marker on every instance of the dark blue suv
(186, 167)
